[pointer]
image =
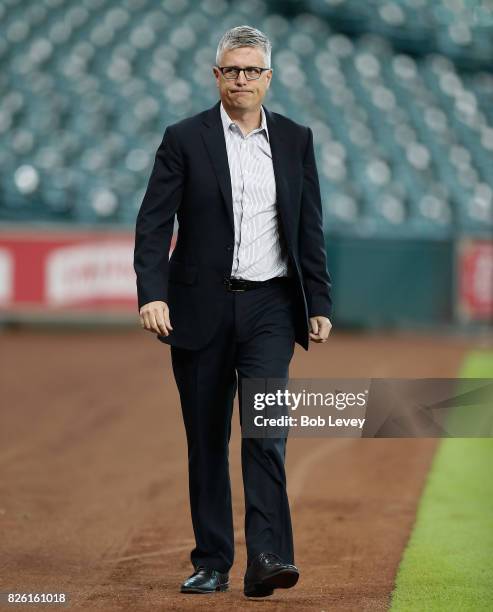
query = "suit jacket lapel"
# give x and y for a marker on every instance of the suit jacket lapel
(213, 136)
(280, 161)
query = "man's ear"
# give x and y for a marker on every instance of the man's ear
(216, 80)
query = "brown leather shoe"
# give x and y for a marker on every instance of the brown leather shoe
(268, 572)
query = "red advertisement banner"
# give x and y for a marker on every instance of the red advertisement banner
(475, 280)
(67, 271)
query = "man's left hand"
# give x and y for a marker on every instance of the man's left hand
(321, 327)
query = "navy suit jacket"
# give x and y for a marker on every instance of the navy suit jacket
(191, 178)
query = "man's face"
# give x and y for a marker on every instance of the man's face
(241, 93)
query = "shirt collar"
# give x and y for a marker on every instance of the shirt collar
(227, 121)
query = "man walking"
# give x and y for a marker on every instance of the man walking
(246, 280)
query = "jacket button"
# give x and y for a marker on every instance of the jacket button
(229, 247)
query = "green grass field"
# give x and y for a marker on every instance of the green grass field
(448, 562)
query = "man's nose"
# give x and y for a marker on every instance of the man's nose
(241, 77)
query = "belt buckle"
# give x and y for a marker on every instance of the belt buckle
(227, 282)
(239, 288)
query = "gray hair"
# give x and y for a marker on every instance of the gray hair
(244, 36)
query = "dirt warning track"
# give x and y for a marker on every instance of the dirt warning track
(94, 489)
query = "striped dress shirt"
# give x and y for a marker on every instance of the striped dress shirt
(259, 252)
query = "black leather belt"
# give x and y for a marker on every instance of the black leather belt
(242, 284)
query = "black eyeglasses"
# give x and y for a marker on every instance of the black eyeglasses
(232, 72)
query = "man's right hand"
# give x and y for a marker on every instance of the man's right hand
(154, 317)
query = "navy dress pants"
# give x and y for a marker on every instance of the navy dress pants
(255, 339)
